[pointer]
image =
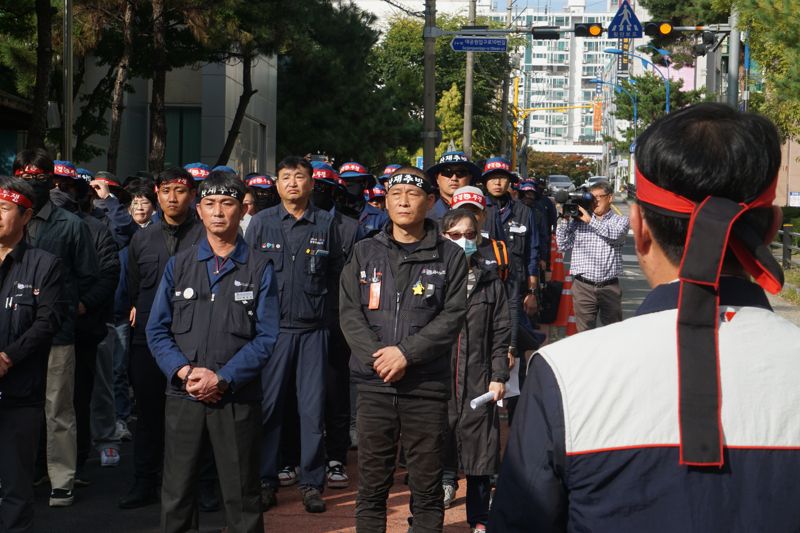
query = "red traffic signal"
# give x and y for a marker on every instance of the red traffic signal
(588, 29)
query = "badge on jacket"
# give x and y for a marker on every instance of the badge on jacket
(418, 289)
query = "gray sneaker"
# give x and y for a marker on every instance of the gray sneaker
(449, 494)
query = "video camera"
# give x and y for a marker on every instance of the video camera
(571, 200)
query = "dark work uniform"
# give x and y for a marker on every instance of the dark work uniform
(224, 319)
(371, 220)
(420, 309)
(33, 308)
(439, 209)
(148, 253)
(304, 253)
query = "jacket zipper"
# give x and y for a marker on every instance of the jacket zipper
(396, 314)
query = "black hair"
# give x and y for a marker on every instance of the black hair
(174, 173)
(453, 216)
(37, 157)
(220, 179)
(142, 190)
(293, 162)
(408, 169)
(706, 150)
(18, 185)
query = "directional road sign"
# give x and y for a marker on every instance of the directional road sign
(625, 24)
(479, 44)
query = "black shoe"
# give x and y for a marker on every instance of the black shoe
(141, 494)
(268, 497)
(312, 500)
(208, 499)
(81, 480)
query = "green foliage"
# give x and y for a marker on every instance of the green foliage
(650, 93)
(450, 119)
(398, 62)
(578, 168)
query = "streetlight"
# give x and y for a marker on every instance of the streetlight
(634, 100)
(617, 51)
(665, 54)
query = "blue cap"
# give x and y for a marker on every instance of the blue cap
(353, 169)
(64, 169)
(85, 174)
(453, 158)
(199, 171)
(224, 168)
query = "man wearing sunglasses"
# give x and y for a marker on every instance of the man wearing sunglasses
(453, 171)
(596, 241)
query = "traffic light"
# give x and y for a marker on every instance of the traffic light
(545, 32)
(588, 29)
(656, 28)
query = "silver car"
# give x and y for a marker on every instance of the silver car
(557, 182)
(591, 181)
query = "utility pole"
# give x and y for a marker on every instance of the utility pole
(66, 123)
(468, 90)
(429, 58)
(504, 101)
(734, 45)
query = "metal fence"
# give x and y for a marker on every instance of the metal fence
(786, 246)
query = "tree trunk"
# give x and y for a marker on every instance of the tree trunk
(158, 123)
(118, 93)
(241, 108)
(44, 60)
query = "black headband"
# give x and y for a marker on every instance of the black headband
(213, 190)
(408, 179)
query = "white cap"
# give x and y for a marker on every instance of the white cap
(468, 195)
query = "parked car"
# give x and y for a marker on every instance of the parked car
(557, 182)
(586, 185)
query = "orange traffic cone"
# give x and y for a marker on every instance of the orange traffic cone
(558, 266)
(564, 304)
(572, 324)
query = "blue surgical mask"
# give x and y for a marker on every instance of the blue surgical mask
(469, 246)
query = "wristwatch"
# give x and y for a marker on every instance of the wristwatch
(222, 384)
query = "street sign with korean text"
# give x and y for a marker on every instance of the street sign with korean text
(479, 44)
(625, 23)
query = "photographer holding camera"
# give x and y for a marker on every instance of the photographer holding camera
(596, 240)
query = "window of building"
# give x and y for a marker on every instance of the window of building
(183, 135)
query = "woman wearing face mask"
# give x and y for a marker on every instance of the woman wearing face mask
(479, 364)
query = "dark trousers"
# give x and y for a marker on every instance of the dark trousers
(85, 364)
(304, 352)
(479, 488)
(337, 398)
(148, 390)
(590, 301)
(19, 434)
(234, 431)
(384, 420)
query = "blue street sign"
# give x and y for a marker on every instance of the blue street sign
(625, 23)
(479, 44)
(419, 162)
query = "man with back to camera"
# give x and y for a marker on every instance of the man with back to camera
(645, 426)
(402, 305)
(596, 241)
(212, 328)
(31, 287)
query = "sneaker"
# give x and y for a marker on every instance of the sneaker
(480, 528)
(122, 432)
(61, 498)
(268, 497)
(449, 494)
(337, 475)
(109, 457)
(312, 500)
(287, 475)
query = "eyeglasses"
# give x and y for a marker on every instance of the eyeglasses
(460, 172)
(455, 235)
(598, 196)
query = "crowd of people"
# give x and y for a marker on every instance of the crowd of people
(260, 327)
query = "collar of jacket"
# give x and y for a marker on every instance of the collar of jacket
(735, 292)
(428, 246)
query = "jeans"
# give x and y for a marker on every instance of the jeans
(121, 350)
